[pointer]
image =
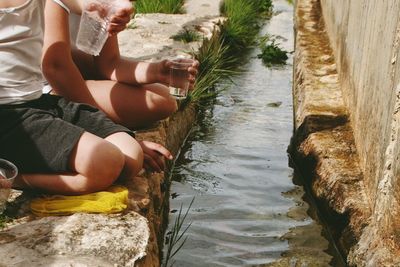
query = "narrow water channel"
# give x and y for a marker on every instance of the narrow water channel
(247, 211)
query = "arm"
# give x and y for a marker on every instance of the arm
(57, 64)
(111, 65)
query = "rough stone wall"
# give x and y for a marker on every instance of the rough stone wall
(365, 39)
(346, 99)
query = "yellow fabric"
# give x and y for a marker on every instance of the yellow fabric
(113, 200)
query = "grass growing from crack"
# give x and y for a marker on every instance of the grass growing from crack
(218, 56)
(158, 6)
(187, 36)
(175, 239)
(215, 64)
(271, 53)
(244, 21)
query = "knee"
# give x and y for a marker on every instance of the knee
(167, 107)
(170, 107)
(132, 151)
(107, 164)
(133, 160)
(163, 103)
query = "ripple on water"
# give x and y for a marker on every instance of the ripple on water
(247, 211)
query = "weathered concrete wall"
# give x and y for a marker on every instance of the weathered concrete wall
(365, 39)
(346, 98)
(365, 36)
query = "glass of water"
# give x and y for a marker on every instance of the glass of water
(179, 77)
(8, 172)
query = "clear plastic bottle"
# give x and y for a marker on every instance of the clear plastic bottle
(92, 33)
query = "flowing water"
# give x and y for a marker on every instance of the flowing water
(247, 211)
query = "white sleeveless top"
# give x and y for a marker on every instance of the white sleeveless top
(21, 43)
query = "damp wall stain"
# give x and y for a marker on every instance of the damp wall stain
(346, 122)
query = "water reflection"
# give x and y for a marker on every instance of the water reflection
(247, 210)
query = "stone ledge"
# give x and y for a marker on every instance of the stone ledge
(72, 240)
(329, 165)
(318, 99)
(150, 39)
(171, 133)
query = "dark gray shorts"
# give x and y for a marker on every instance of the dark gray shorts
(38, 136)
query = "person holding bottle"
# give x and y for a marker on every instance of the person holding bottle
(58, 145)
(132, 93)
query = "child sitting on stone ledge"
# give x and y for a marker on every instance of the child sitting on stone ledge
(131, 93)
(58, 145)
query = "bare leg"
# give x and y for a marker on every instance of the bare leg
(131, 106)
(96, 164)
(132, 151)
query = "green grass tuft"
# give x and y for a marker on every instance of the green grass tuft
(219, 56)
(175, 238)
(244, 21)
(187, 36)
(271, 53)
(216, 63)
(265, 7)
(159, 6)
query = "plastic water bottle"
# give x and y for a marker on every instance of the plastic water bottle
(92, 33)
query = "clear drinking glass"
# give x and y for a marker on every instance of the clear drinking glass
(8, 172)
(92, 33)
(179, 77)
